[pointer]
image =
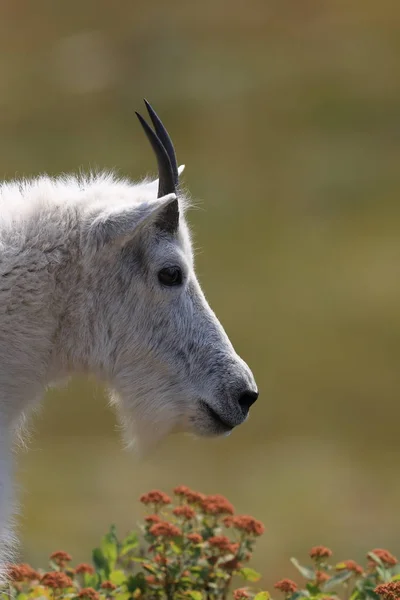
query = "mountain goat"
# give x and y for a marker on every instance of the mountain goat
(97, 276)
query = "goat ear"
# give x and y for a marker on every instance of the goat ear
(120, 224)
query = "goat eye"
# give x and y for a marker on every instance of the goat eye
(170, 276)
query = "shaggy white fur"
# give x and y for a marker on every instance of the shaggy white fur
(82, 270)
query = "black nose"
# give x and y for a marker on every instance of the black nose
(246, 399)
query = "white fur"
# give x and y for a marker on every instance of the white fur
(79, 292)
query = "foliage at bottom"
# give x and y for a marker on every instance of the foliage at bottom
(195, 547)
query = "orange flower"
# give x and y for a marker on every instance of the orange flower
(152, 519)
(248, 524)
(223, 544)
(89, 594)
(321, 577)
(389, 591)
(195, 538)
(15, 573)
(350, 565)
(164, 529)
(108, 585)
(155, 497)
(160, 559)
(217, 505)
(190, 496)
(84, 568)
(286, 585)
(318, 552)
(61, 558)
(184, 511)
(56, 580)
(30, 573)
(386, 557)
(181, 490)
(151, 580)
(240, 593)
(22, 572)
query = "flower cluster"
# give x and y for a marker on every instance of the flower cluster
(388, 591)
(246, 524)
(56, 580)
(165, 530)
(379, 579)
(384, 556)
(193, 548)
(191, 497)
(216, 505)
(195, 538)
(108, 585)
(241, 593)
(287, 586)
(187, 512)
(318, 552)
(23, 572)
(350, 565)
(89, 594)
(83, 568)
(223, 544)
(61, 558)
(155, 497)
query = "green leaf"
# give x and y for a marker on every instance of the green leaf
(100, 562)
(149, 567)
(384, 574)
(355, 595)
(90, 580)
(117, 577)
(184, 580)
(137, 559)
(122, 596)
(194, 595)
(307, 572)
(53, 565)
(373, 596)
(299, 595)
(109, 549)
(129, 543)
(175, 548)
(312, 588)
(262, 596)
(337, 579)
(249, 574)
(135, 582)
(376, 559)
(366, 589)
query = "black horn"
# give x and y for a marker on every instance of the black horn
(166, 178)
(165, 139)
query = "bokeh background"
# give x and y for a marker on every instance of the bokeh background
(286, 114)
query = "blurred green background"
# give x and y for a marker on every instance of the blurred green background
(287, 116)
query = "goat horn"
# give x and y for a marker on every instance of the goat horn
(166, 180)
(165, 139)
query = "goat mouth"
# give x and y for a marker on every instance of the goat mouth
(222, 425)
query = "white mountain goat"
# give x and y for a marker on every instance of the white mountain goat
(96, 276)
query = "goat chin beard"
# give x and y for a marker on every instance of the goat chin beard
(143, 430)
